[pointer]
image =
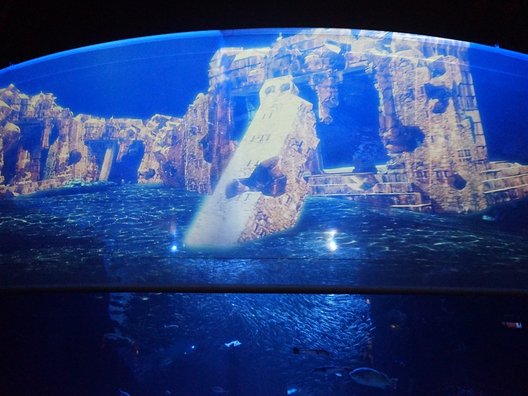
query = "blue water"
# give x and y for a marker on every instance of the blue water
(189, 334)
(162, 343)
(501, 88)
(132, 234)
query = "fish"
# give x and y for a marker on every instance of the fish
(219, 390)
(234, 343)
(512, 325)
(315, 352)
(117, 339)
(373, 378)
(123, 393)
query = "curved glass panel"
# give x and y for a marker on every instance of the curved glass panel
(314, 157)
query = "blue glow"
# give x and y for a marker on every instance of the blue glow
(118, 44)
(174, 248)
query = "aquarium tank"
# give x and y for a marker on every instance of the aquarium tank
(265, 212)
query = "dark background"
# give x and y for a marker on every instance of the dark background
(30, 29)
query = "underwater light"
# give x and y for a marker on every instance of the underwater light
(331, 245)
(174, 248)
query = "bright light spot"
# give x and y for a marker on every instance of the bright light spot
(330, 241)
(174, 248)
(291, 391)
(193, 346)
(331, 245)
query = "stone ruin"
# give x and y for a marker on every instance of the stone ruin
(424, 149)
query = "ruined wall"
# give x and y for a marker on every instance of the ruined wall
(427, 133)
(162, 157)
(429, 121)
(38, 140)
(196, 142)
(43, 145)
(315, 60)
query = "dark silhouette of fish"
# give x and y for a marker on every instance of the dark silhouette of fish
(370, 377)
(307, 351)
(219, 390)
